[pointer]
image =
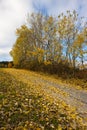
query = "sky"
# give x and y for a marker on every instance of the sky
(13, 13)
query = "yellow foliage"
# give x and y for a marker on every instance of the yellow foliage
(47, 62)
(39, 50)
(27, 103)
(50, 20)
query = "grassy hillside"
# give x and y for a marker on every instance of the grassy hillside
(25, 105)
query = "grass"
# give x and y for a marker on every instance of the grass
(25, 106)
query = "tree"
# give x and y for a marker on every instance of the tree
(69, 27)
(47, 39)
(22, 46)
(52, 46)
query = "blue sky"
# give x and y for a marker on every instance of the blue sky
(13, 13)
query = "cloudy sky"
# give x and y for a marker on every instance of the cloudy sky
(13, 13)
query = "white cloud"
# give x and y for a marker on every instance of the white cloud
(56, 7)
(61, 6)
(4, 54)
(12, 14)
(83, 8)
(4, 51)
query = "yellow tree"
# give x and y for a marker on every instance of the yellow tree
(21, 46)
(52, 45)
(36, 23)
(68, 29)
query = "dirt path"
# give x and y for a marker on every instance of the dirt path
(71, 96)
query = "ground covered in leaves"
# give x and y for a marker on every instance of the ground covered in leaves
(25, 105)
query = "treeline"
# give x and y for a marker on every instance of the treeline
(6, 64)
(53, 44)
